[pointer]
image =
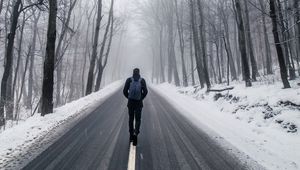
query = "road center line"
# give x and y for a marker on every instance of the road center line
(131, 159)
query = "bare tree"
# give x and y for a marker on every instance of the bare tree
(283, 70)
(102, 61)
(181, 42)
(6, 98)
(35, 21)
(242, 42)
(60, 49)
(199, 64)
(203, 43)
(249, 42)
(89, 86)
(297, 30)
(48, 80)
(266, 39)
(225, 18)
(172, 65)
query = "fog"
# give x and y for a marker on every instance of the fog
(131, 49)
(57, 56)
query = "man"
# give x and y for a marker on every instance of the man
(135, 90)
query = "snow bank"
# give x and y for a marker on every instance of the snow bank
(264, 139)
(47, 129)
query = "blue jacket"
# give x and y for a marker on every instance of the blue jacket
(135, 103)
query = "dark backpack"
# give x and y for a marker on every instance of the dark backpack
(135, 89)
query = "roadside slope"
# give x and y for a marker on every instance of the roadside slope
(269, 146)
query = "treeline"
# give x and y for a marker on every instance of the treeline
(53, 51)
(222, 40)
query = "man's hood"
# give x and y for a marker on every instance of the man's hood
(136, 77)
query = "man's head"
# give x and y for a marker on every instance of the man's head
(136, 71)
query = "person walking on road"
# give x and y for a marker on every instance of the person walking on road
(135, 90)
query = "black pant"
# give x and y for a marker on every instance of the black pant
(134, 113)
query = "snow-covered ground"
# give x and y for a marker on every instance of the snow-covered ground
(32, 136)
(261, 121)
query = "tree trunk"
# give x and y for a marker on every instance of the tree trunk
(284, 31)
(288, 37)
(18, 98)
(47, 88)
(103, 44)
(1, 5)
(89, 85)
(8, 62)
(218, 62)
(32, 56)
(86, 54)
(203, 44)
(229, 52)
(238, 58)
(192, 57)
(74, 67)
(211, 59)
(172, 69)
(297, 28)
(162, 71)
(181, 44)
(242, 42)
(283, 71)
(250, 43)
(266, 40)
(199, 64)
(59, 52)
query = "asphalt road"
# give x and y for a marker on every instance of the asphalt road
(167, 141)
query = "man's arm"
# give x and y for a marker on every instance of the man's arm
(144, 89)
(126, 88)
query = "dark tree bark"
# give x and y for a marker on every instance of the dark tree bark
(8, 62)
(242, 42)
(192, 57)
(297, 28)
(250, 43)
(47, 87)
(283, 70)
(288, 33)
(284, 31)
(89, 86)
(86, 54)
(228, 59)
(203, 44)
(162, 71)
(218, 62)
(266, 40)
(237, 53)
(199, 64)
(101, 64)
(225, 19)
(1, 5)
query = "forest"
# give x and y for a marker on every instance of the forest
(55, 51)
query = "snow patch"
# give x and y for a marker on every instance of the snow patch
(260, 121)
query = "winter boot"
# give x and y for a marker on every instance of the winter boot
(131, 138)
(134, 142)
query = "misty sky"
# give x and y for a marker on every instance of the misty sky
(135, 51)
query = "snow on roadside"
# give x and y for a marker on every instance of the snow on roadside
(264, 140)
(16, 143)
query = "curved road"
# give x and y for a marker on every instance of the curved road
(167, 141)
